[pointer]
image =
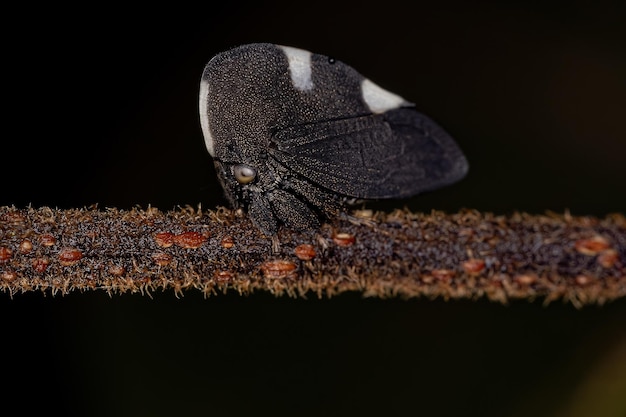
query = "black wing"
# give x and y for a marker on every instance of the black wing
(396, 154)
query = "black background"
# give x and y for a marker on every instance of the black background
(101, 107)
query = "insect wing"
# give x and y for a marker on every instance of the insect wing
(390, 155)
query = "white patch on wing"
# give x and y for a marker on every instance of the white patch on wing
(299, 67)
(378, 99)
(204, 116)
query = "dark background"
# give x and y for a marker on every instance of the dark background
(101, 107)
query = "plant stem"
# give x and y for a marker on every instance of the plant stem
(399, 254)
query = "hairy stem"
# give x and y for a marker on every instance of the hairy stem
(463, 255)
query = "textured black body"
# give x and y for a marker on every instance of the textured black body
(314, 149)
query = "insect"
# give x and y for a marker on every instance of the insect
(296, 136)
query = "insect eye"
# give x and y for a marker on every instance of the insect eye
(244, 174)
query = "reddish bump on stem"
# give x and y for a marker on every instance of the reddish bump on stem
(164, 239)
(223, 276)
(5, 254)
(227, 242)
(344, 239)
(583, 280)
(190, 240)
(40, 265)
(26, 246)
(70, 256)
(278, 269)
(47, 239)
(474, 266)
(525, 279)
(591, 246)
(9, 276)
(305, 252)
(608, 258)
(444, 275)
